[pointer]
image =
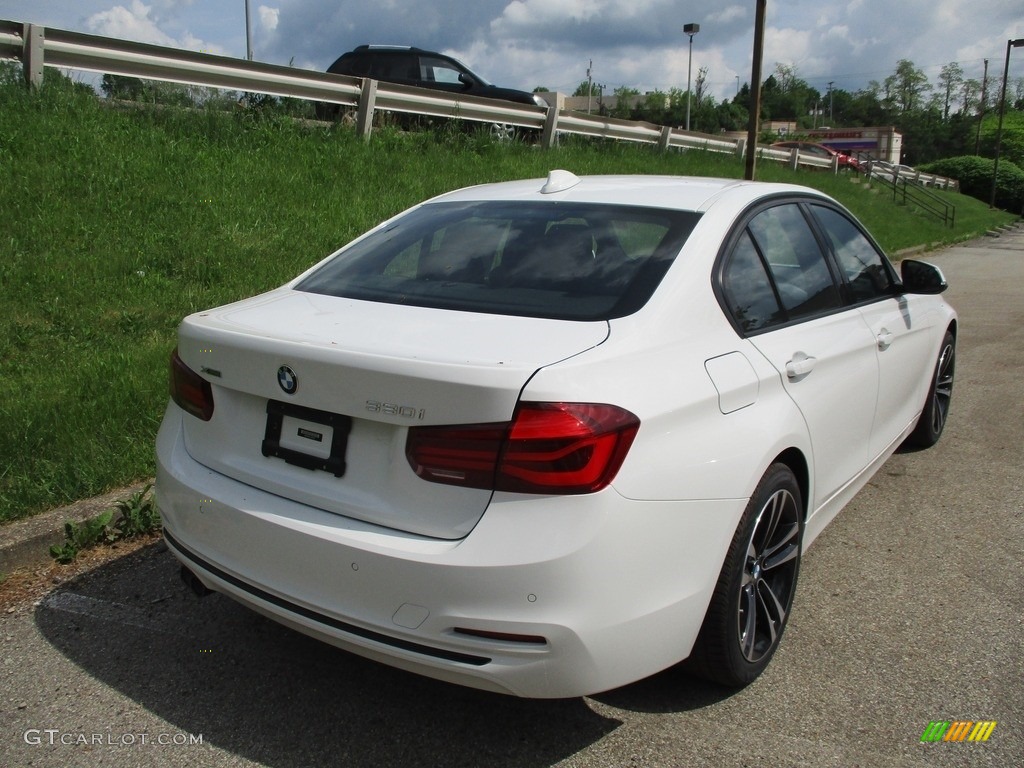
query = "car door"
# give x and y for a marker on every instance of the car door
(904, 338)
(784, 296)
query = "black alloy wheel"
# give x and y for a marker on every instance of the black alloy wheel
(754, 593)
(940, 393)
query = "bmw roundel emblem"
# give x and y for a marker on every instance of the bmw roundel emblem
(287, 379)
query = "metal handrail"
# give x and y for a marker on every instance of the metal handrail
(904, 190)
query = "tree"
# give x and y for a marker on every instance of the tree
(624, 97)
(950, 78)
(655, 108)
(907, 86)
(970, 99)
(784, 96)
(584, 88)
(700, 86)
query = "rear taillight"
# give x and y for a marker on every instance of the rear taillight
(190, 390)
(556, 448)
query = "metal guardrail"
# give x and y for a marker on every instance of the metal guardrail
(908, 189)
(877, 169)
(38, 46)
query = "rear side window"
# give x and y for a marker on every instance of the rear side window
(557, 260)
(752, 299)
(395, 66)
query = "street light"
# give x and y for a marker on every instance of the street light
(1002, 108)
(691, 30)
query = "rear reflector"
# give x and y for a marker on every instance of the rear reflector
(550, 448)
(189, 390)
(508, 637)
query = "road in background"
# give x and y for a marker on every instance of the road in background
(909, 610)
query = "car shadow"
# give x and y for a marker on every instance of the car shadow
(672, 691)
(279, 698)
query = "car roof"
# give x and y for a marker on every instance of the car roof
(687, 193)
(386, 48)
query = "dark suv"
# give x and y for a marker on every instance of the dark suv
(426, 69)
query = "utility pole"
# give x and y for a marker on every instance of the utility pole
(590, 83)
(981, 108)
(755, 90)
(248, 33)
(1002, 108)
(831, 119)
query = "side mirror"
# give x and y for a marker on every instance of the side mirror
(921, 277)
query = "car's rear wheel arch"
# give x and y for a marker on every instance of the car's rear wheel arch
(797, 463)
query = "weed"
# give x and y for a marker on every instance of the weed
(139, 515)
(79, 536)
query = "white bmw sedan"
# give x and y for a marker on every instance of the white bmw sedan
(550, 437)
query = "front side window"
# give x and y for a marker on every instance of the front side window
(802, 277)
(867, 272)
(437, 70)
(557, 260)
(775, 272)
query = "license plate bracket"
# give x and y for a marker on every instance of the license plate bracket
(303, 416)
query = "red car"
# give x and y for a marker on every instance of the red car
(810, 148)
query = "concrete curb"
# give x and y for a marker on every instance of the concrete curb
(26, 543)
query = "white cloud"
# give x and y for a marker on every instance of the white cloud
(531, 12)
(268, 17)
(726, 15)
(139, 23)
(131, 24)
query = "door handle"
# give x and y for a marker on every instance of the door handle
(884, 339)
(800, 365)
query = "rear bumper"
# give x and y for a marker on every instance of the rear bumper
(616, 588)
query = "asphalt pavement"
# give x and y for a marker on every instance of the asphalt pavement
(909, 611)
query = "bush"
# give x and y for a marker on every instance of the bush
(975, 176)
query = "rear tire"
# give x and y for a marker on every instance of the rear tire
(936, 408)
(752, 599)
(503, 132)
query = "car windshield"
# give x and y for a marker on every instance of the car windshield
(553, 260)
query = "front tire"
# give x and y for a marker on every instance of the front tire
(752, 599)
(940, 393)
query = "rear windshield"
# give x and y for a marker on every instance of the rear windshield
(554, 260)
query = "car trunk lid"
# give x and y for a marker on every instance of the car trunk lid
(314, 395)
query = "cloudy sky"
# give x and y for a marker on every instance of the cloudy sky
(528, 43)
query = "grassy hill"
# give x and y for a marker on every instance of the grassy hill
(118, 222)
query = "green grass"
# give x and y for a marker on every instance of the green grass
(117, 223)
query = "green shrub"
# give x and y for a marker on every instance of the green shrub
(975, 176)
